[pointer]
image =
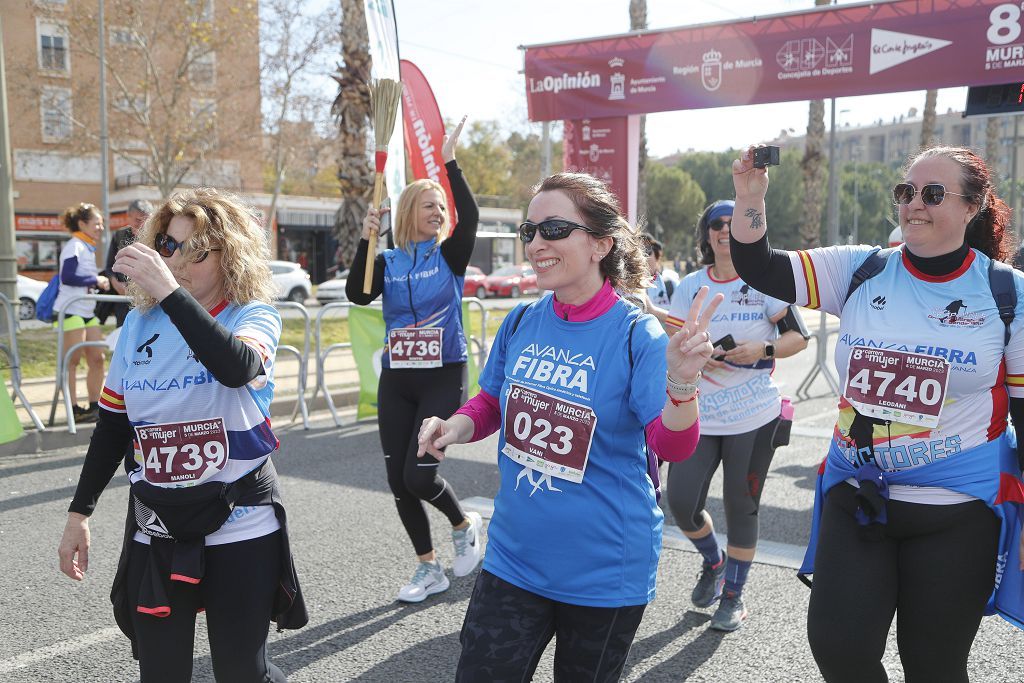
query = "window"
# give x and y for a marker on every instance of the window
(203, 70)
(55, 112)
(134, 105)
(203, 9)
(121, 36)
(53, 47)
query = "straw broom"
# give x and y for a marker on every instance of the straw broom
(385, 94)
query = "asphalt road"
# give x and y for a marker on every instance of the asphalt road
(353, 556)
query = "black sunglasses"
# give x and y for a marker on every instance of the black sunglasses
(551, 229)
(931, 194)
(718, 224)
(167, 245)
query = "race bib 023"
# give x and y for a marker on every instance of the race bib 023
(548, 434)
(415, 347)
(897, 385)
(183, 453)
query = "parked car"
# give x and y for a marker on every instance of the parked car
(330, 291)
(292, 281)
(28, 291)
(475, 284)
(512, 281)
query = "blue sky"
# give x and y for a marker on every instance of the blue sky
(468, 49)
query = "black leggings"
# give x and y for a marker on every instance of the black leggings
(237, 592)
(745, 459)
(507, 629)
(404, 399)
(936, 565)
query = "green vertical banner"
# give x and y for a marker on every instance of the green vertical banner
(368, 333)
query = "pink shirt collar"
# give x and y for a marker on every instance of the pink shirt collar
(598, 305)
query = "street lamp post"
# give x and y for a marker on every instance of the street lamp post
(104, 134)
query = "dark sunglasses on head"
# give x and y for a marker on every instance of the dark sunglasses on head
(932, 194)
(167, 245)
(718, 224)
(551, 229)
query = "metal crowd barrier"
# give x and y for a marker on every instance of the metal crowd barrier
(821, 362)
(62, 385)
(323, 352)
(302, 357)
(14, 361)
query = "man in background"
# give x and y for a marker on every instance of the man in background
(138, 212)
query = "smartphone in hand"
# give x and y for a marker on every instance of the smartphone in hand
(726, 343)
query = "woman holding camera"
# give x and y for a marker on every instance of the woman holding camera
(740, 407)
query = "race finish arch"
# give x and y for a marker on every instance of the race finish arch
(600, 86)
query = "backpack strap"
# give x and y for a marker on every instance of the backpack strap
(519, 317)
(629, 343)
(872, 266)
(1004, 291)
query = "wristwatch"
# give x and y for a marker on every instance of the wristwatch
(769, 351)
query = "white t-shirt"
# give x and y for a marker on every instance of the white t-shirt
(86, 255)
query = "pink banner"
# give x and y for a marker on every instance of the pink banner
(424, 131)
(835, 52)
(604, 149)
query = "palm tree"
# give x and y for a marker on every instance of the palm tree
(812, 166)
(638, 22)
(351, 109)
(928, 118)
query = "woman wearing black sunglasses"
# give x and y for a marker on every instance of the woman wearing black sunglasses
(742, 421)
(574, 384)
(908, 512)
(189, 386)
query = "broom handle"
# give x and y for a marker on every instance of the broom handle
(371, 250)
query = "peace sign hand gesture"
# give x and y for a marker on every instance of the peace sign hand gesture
(690, 348)
(448, 148)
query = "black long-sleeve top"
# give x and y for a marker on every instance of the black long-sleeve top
(456, 249)
(227, 358)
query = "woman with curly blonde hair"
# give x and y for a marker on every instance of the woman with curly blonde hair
(190, 383)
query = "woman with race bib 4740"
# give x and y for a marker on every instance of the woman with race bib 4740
(576, 383)
(907, 519)
(423, 367)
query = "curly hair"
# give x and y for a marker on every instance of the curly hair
(78, 212)
(219, 220)
(625, 265)
(405, 215)
(988, 231)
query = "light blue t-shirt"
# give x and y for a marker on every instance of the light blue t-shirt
(596, 542)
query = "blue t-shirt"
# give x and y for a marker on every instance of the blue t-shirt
(420, 290)
(597, 542)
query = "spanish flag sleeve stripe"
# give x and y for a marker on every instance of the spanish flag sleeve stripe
(674, 322)
(1015, 380)
(112, 401)
(256, 346)
(811, 278)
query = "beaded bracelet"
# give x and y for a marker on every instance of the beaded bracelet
(684, 388)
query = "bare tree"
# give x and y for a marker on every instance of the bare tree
(294, 37)
(351, 110)
(813, 165)
(928, 118)
(182, 84)
(638, 22)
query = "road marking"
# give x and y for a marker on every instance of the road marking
(768, 552)
(813, 432)
(57, 649)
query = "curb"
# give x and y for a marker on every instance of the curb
(57, 436)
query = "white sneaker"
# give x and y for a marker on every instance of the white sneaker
(428, 579)
(468, 545)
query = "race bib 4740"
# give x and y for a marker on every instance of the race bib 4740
(548, 434)
(897, 385)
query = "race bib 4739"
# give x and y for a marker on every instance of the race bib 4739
(183, 453)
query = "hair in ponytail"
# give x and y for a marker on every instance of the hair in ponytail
(78, 212)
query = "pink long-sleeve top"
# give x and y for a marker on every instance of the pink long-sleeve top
(668, 445)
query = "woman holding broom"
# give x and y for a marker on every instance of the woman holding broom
(423, 368)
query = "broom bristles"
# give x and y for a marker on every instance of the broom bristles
(385, 94)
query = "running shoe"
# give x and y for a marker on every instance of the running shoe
(709, 584)
(83, 415)
(428, 580)
(468, 545)
(730, 613)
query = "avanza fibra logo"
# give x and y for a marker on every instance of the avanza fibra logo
(955, 314)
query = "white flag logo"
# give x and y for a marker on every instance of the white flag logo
(889, 48)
